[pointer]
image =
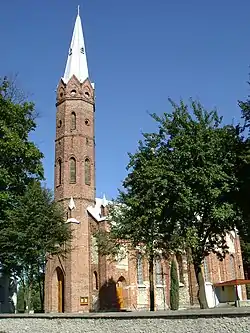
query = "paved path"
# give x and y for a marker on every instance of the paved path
(190, 313)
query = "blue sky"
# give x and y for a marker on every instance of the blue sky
(140, 52)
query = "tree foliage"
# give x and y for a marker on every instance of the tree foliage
(243, 175)
(245, 112)
(35, 228)
(20, 159)
(28, 298)
(179, 185)
(174, 287)
(136, 216)
(31, 223)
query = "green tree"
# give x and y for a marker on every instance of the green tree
(20, 159)
(200, 171)
(243, 163)
(22, 297)
(243, 174)
(138, 211)
(35, 229)
(20, 307)
(245, 112)
(174, 287)
(32, 224)
(178, 190)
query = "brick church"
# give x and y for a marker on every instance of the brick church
(85, 281)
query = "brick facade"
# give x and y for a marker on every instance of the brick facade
(84, 274)
(74, 142)
(84, 280)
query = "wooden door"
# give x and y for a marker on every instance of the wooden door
(60, 290)
(60, 296)
(119, 293)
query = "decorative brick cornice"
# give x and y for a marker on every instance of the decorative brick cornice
(89, 101)
(75, 198)
(74, 134)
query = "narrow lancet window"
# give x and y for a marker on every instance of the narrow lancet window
(206, 270)
(139, 269)
(87, 170)
(59, 172)
(73, 121)
(232, 267)
(72, 170)
(158, 272)
(179, 260)
(95, 281)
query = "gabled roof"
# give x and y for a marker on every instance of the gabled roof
(96, 211)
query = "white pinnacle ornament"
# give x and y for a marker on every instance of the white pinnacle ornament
(72, 204)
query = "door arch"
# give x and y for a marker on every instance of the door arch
(122, 292)
(60, 290)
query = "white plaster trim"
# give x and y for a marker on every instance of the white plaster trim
(72, 220)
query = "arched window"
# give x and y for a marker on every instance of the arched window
(180, 267)
(221, 270)
(87, 171)
(73, 121)
(206, 270)
(232, 267)
(59, 172)
(158, 272)
(102, 211)
(72, 170)
(139, 269)
(95, 281)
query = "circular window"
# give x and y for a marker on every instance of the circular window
(87, 122)
(87, 94)
(61, 94)
(73, 92)
(59, 124)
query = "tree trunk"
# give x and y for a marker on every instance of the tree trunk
(41, 283)
(25, 295)
(151, 282)
(29, 297)
(201, 285)
(41, 291)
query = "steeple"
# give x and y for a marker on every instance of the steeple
(77, 60)
(69, 278)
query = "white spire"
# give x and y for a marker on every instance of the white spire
(77, 60)
(104, 201)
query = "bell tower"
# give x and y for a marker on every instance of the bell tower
(67, 282)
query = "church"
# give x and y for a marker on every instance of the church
(84, 280)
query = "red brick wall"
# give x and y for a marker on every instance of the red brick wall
(78, 268)
(77, 143)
